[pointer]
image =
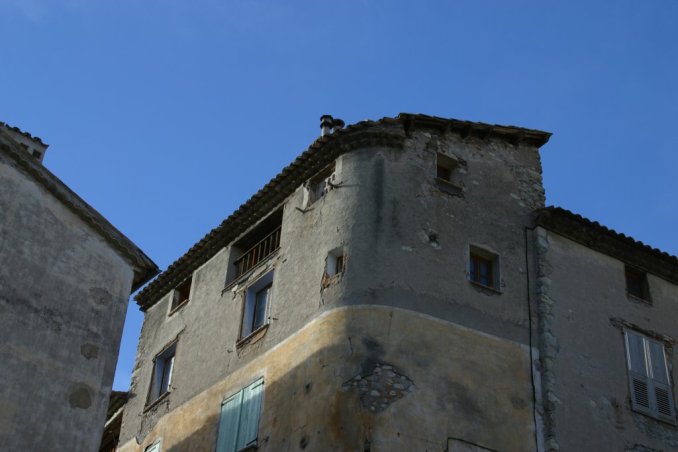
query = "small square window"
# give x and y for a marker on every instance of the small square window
(335, 262)
(163, 367)
(483, 267)
(636, 283)
(445, 167)
(181, 294)
(320, 184)
(649, 379)
(257, 301)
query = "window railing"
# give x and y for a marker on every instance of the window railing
(264, 248)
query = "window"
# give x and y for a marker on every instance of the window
(649, 381)
(153, 448)
(320, 184)
(636, 283)
(239, 420)
(181, 295)
(483, 267)
(445, 167)
(255, 309)
(163, 367)
(257, 245)
(335, 263)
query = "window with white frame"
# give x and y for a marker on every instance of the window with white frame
(153, 448)
(256, 303)
(163, 367)
(239, 419)
(649, 381)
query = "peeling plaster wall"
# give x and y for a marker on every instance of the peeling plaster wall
(63, 297)
(306, 407)
(584, 373)
(406, 242)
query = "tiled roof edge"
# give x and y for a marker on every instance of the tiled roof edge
(26, 134)
(387, 131)
(145, 268)
(607, 241)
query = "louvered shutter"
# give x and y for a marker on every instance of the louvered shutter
(639, 381)
(662, 397)
(229, 423)
(251, 409)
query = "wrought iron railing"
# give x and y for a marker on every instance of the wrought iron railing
(264, 248)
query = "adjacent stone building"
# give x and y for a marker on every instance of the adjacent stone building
(401, 286)
(65, 279)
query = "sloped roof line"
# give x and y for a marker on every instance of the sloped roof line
(608, 241)
(369, 133)
(145, 268)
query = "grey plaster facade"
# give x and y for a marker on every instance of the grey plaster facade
(401, 350)
(65, 280)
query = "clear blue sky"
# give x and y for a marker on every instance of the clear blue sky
(166, 115)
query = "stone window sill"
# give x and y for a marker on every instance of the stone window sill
(254, 336)
(156, 402)
(178, 307)
(491, 289)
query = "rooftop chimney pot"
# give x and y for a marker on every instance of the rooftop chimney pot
(326, 122)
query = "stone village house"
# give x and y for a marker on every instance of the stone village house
(66, 275)
(402, 286)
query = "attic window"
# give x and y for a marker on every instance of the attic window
(37, 154)
(320, 184)
(258, 245)
(181, 295)
(636, 284)
(445, 167)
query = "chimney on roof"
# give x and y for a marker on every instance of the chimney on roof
(337, 124)
(326, 125)
(329, 125)
(33, 145)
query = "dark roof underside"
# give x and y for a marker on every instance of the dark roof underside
(389, 132)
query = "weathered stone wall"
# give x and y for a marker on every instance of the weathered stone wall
(456, 391)
(63, 297)
(406, 242)
(582, 299)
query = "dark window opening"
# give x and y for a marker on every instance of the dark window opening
(636, 283)
(320, 184)
(181, 294)
(483, 267)
(445, 167)
(258, 244)
(37, 154)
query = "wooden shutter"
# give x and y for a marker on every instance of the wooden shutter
(251, 409)
(661, 387)
(229, 423)
(639, 381)
(650, 386)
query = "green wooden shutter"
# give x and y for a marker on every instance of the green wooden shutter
(251, 409)
(229, 423)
